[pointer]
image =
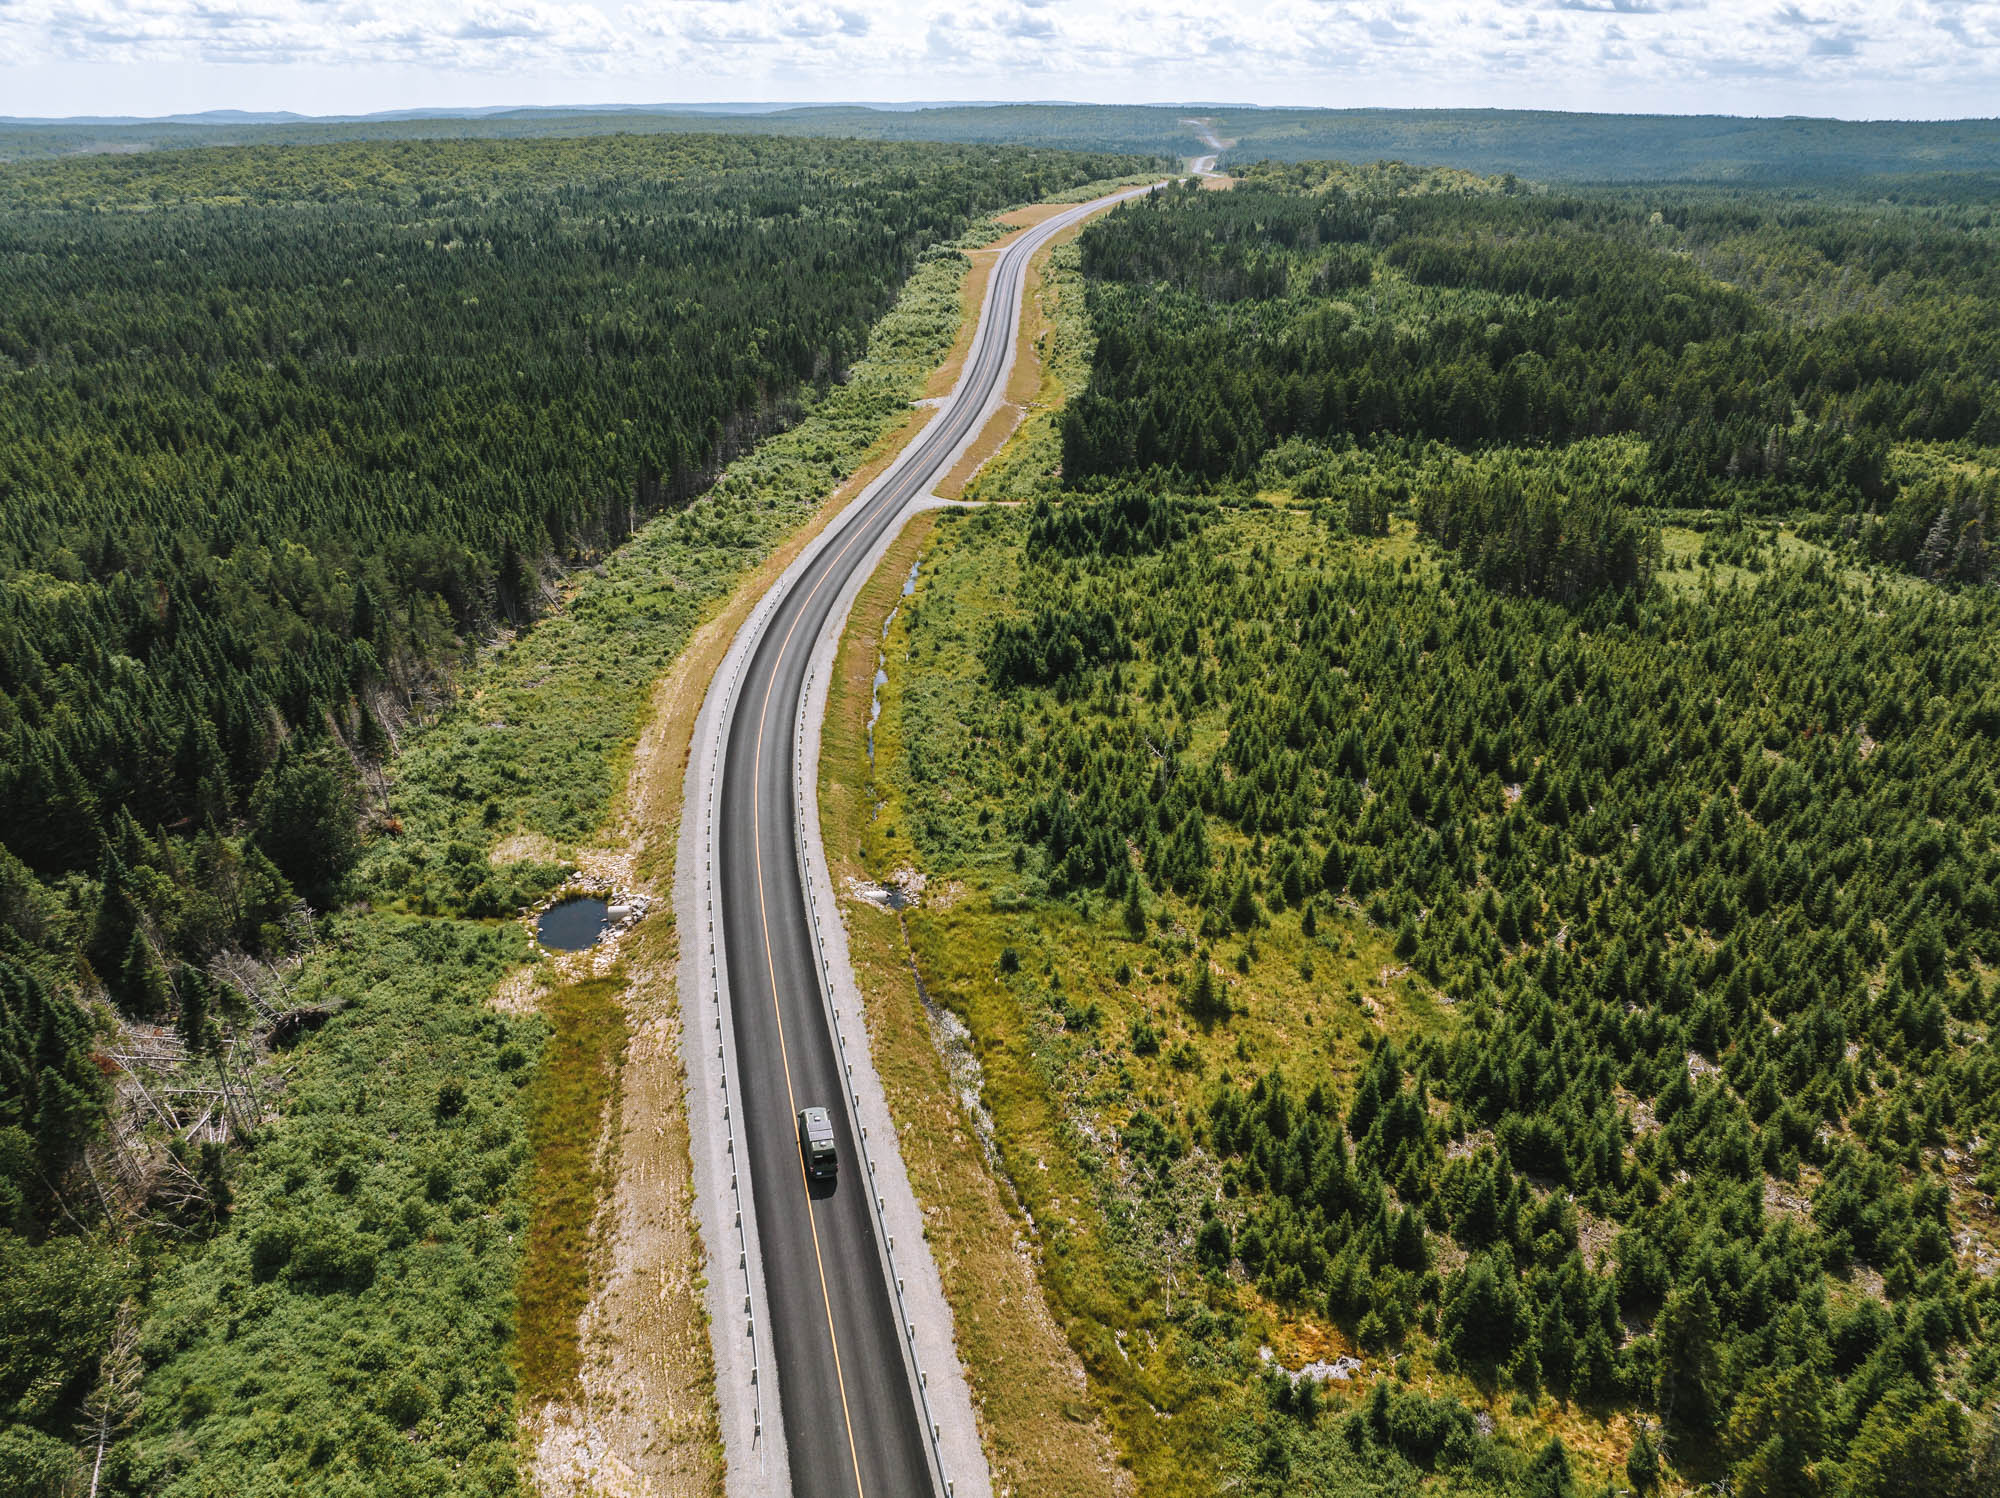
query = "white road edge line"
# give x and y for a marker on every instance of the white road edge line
(747, 1396)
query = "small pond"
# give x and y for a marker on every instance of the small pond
(572, 925)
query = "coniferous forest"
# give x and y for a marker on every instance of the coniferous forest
(1466, 791)
(1481, 754)
(287, 435)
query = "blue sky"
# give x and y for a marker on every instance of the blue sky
(1852, 58)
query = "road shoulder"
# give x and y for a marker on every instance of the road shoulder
(645, 1417)
(746, 1390)
(1027, 1386)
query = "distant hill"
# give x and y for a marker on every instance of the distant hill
(1544, 145)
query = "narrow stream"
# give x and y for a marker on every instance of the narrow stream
(882, 669)
(948, 1032)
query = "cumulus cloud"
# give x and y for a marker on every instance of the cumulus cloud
(1706, 53)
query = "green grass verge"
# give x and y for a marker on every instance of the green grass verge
(572, 1100)
(1030, 460)
(1038, 1426)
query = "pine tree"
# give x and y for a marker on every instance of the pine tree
(1406, 939)
(365, 619)
(1778, 1429)
(1687, 1388)
(1407, 1249)
(1479, 1325)
(1548, 1474)
(1937, 545)
(111, 931)
(1135, 911)
(1912, 1445)
(305, 821)
(142, 982)
(195, 1004)
(1206, 1001)
(1243, 903)
(1642, 1463)
(49, 1087)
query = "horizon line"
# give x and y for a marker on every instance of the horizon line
(223, 116)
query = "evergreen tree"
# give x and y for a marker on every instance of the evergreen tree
(1548, 1475)
(1688, 1386)
(1778, 1429)
(142, 986)
(1206, 1001)
(49, 1087)
(1642, 1463)
(305, 821)
(1243, 904)
(1911, 1445)
(1135, 912)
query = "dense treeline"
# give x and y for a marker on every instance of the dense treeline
(1346, 307)
(1940, 525)
(283, 435)
(268, 464)
(1519, 532)
(1561, 146)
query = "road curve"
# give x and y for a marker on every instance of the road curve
(818, 1305)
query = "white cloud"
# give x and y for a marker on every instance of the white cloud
(452, 34)
(1913, 57)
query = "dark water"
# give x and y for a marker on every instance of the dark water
(572, 925)
(875, 706)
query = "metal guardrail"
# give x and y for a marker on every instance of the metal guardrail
(888, 1240)
(759, 617)
(722, 1037)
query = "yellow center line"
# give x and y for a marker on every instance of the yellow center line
(770, 968)
(770, 962)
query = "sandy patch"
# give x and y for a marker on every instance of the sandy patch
(643, 1424)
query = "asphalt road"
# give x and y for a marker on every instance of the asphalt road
(851, 1419)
